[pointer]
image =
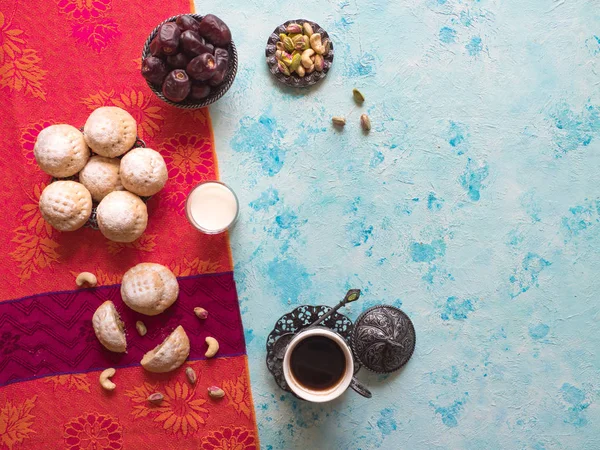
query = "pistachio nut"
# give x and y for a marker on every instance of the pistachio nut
(292, 36)
(283, 68)
(286, 58)
(191, 375)
(156, 398)
(294, 28)
(288, 44)
(278, 54)
(306, 55)
(358, 97)
(338, 121)
(365, 123)
(296, 52)
(280, 46)
(296, 60)
(216, 392)
(308, 30)
(282, 36)
(300, 71)
(319, 63)
(301, 42)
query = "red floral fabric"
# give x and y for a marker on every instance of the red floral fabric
(59, 60)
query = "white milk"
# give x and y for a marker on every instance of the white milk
(212, 207)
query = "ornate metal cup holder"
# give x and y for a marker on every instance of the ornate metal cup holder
(294, 321)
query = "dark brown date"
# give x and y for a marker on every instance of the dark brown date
(199, 91)
(178, 61)
(177, 86)
(168, 38)
(215, 30)
(202, 67)
(193, 44)
(155, 49)
(187, 22)
(222, 59)
(154, 70)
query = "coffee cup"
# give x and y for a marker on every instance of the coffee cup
(318, 366)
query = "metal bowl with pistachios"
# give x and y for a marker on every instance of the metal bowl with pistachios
(299, 53)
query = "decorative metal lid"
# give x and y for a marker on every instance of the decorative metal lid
(383, 338)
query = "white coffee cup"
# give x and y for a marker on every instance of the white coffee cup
(318, 395)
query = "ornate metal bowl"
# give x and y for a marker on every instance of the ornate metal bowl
(294, 80)
(215, 94)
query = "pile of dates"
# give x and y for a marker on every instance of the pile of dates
(300, 50)
(188, 57)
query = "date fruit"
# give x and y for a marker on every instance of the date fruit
(222, 59)
(168, 38)
(177, 86)
(199, 91)
(202, 67)
(178, 61)
(187, 22)
(193, 44)
(215, 30)
(154, 70)
(155, 49)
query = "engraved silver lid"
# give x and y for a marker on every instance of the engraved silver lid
(383, 339)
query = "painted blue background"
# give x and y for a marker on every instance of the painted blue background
(473, 204)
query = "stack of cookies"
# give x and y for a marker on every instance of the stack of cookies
(110, 173)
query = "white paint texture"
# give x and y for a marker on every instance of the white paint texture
(473, 203)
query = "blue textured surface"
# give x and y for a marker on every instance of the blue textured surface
(473, 204)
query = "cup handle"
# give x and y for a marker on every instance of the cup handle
(360, 388)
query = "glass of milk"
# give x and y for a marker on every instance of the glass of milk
(212, 207)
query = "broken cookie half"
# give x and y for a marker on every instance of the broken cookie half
(169, 355)
(109, 328)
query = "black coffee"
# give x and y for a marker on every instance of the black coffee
(318, 363)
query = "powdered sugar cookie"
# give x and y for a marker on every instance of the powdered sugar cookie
(149, 288)
(169, 355)
(61, 151)
(143, 171)
(66, 205)
(101, 176)
(110, 131)
(122, 216)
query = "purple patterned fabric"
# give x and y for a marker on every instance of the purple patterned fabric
(52, 333)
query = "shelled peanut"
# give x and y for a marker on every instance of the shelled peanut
(300, 50)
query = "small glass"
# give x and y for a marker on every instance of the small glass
(212, 207)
